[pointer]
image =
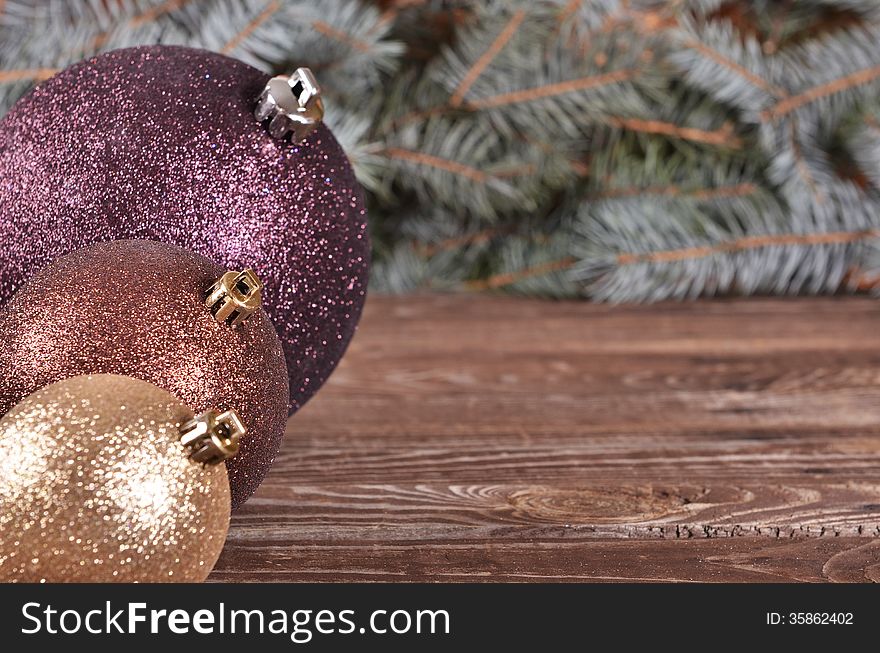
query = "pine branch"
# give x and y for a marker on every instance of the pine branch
(439, 163)
(727, 63)
(827, 78)
(339, 35)
(730, 67)
(525, 273)
(749, 242)
(344, 42)
(618, 149)
(155, 12)
(465, 166)
(862, 137)
(244, 33)
(693, 236)
(433, 252)
(832, 87)
(527, 81)
(642, 253)
(486, 58)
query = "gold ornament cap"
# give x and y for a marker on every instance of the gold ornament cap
(293, 105)
(213, 437)
(235, 296)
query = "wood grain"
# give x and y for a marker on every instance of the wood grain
(498, 439)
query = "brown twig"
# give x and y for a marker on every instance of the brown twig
(801, 166)
(153, 13)
(748, 242)
(486, 58)
(743, 72)
(523, 170)
(508, 278)
(141, 19)
(822, 90)
(421, 158)
(455, 243)
(722, 136)
(270, 10)
(32, 74)
(569, 10)
(720, 192)
(551, 90)
(328, 30)
(872, 124)
(388, 15)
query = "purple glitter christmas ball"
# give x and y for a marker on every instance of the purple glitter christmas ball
(160, 143)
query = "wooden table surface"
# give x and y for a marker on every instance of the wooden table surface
(468, 438)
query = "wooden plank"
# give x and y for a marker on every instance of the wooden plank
(715, 560)
(488, 438)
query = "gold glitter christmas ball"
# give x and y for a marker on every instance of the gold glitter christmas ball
(96, 486)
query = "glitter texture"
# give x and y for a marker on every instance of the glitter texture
(137, 308)
(160, 143)
(96, 487)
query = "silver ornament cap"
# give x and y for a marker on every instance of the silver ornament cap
(292, 104)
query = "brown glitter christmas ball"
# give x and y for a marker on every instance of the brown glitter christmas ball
(138, 308)
(96, 486)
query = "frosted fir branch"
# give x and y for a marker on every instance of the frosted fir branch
(776, 25)
(473, 63)
(464, 165)
(729, 66)
(408, 99)
(443, 253)
(862, 138)
(729, 236)
(588, 17)
(632, 149)
(629, 165)
(700, 8)
(25, 60)
(644, 251)
(530, 265)
(828, 76)
(352, 128)
(344, 42)
(439, 251)
(234, 28)
(513, 70)
(50, 36)
(650, 229)
(799, 165)
(684, 115)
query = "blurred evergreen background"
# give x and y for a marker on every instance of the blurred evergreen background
(615, 150)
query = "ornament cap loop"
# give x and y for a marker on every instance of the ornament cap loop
(235, 296)
(213, 437)
(293, 105)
